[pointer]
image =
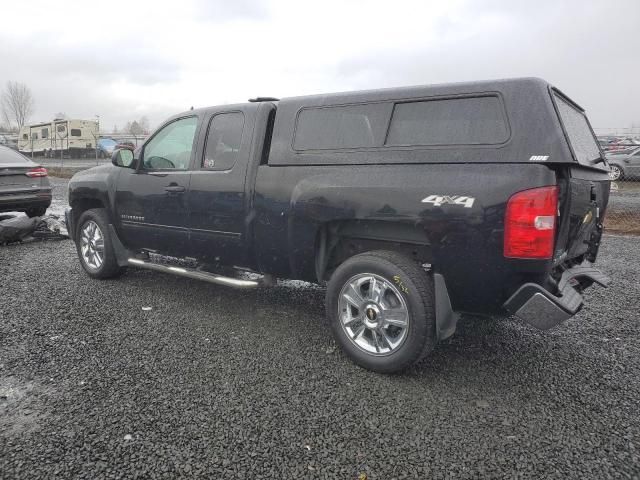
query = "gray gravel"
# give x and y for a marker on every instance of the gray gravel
(230, 384)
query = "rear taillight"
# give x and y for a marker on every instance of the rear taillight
(37, 172)
(530, 223)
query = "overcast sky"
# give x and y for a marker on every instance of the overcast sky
(125, 59)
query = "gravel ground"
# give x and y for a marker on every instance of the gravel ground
(221, 383)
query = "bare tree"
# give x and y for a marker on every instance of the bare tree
(16, 103)
(144, 125)
(138, 127)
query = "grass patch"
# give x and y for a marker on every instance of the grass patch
(622, 222)
(63, 172)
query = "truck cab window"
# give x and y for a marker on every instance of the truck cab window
(171, 147)
(223, 141)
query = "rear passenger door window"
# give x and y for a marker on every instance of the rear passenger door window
(224, 137)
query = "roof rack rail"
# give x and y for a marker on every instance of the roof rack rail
(263, 99)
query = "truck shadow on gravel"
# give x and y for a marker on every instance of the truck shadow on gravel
(294, 313)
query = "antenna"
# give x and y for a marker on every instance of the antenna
(263, 99)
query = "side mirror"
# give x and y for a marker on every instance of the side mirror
(123, 157)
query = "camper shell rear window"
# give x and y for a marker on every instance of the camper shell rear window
(581, 138)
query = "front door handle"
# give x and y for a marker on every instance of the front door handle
(174, 189)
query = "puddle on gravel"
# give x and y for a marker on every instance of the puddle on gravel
(20, 409)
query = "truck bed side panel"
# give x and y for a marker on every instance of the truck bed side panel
(292, 203)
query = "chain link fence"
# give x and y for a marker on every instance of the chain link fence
(623, 212)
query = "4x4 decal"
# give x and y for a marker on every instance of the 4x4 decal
(439, 200)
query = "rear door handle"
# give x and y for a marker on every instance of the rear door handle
(174, 189)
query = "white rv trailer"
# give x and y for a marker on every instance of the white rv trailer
(76, 138)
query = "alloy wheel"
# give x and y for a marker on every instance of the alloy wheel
(92, 245)
(373, 314)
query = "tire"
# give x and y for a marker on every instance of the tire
(94, 245)
(616, 172)
(381, 346)
(36, 212)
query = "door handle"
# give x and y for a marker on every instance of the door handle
(174, 189)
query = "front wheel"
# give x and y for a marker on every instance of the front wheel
(94, 245)
(381, 310)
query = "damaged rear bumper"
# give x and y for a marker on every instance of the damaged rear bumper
(543, 309)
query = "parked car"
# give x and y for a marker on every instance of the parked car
(413, 204)
(126, 144)
(9, 140)
(106, 146)
(624, 165)
(24, 185)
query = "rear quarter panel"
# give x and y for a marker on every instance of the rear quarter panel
(292, 203)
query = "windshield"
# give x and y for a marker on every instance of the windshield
(107, 142)
(581, 138)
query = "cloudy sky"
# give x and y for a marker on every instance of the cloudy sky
(125, 59)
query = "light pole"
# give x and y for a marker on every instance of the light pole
(96, 136)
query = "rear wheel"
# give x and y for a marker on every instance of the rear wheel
(381, 310)
(94, 245)
(615, 172)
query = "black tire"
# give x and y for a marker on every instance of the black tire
(412, 283)
(109, 267)
(36, 212)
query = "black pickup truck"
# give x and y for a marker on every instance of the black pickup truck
(413, 204)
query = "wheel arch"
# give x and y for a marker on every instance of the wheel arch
(81, 205)
(336, 241)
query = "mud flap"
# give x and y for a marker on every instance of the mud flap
(121, 252)
(446, 318)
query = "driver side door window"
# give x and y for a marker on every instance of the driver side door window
(171, 148)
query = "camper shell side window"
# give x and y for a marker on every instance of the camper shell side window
(476, 120)
(75, 132)
(468, 120)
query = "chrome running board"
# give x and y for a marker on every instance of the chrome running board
(199, 275)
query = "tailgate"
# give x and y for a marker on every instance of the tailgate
(585, 192)
(587, 201)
